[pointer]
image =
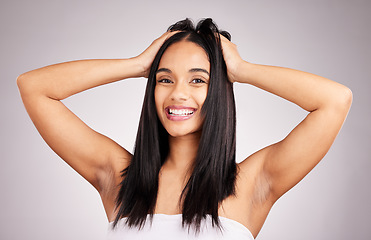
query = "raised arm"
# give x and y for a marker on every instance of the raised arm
(91, 154)
(285, 163)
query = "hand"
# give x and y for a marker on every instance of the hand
(146, 58)
(232, 58)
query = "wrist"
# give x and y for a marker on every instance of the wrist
(137, 68)
(241, 72)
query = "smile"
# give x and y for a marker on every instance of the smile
(179, 113)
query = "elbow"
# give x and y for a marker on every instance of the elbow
(26, 84)
(21, 82)
(347, 97)
(343, 99)
(338, 100)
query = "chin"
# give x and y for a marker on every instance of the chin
(177, 132)
(183, 128)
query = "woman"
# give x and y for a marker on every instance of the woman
(182, 177)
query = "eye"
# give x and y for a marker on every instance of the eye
(198, 80)
(164, 80)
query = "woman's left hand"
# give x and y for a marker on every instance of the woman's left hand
(232, 58)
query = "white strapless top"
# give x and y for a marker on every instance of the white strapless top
(169, 227)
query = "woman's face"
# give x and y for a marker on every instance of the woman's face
(182, 81)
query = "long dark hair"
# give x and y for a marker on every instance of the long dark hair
(214, 169)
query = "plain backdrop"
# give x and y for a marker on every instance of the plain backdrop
(43, 198)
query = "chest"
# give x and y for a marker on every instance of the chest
(170, 194)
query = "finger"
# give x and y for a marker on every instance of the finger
(168, 34)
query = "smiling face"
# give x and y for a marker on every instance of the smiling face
(182, 81)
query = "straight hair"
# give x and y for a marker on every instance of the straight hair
(214, 169)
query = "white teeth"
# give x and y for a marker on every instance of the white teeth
(180, 112)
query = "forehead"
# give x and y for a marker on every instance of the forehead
(184, 55)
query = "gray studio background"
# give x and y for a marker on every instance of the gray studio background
(43, 198)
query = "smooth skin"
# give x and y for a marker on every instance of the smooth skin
(262, 177)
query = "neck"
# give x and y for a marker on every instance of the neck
(183, 151)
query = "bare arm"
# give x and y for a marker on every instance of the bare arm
(91, 154)
(285, 163)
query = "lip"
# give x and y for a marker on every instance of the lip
(179, 118)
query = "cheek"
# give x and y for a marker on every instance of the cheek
(159, 100)
(200, 96)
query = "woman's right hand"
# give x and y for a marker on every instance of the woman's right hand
(146, 58)
(92, 155)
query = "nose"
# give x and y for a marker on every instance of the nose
(180, 92)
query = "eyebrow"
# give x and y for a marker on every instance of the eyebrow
(190, 70)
